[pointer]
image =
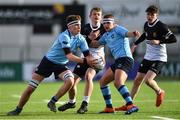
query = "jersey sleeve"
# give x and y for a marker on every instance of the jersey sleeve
(164, 29)
(167, 35)
(64, 41)
(122, 31)
(85, 32)
(140, 39)
(83, 44)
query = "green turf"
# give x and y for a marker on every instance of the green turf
(36, 107)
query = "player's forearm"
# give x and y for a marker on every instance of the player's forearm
(74, 58)
(129, 34)
(133, 34)
(140, 39)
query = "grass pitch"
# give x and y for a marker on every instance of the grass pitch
(36, 106)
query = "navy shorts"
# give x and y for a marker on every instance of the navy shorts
(123, 63)
(80, 69)
(154, 66)
(46, 68)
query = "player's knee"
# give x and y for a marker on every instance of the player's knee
(34, 83)
(68, 77)
(88, 79)
(118, 84)
(70, 81)
(147, 81)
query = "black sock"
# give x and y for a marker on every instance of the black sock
(85, 103)
(54, 99)
(18, 109)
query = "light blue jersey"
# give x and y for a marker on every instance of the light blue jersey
(117, 41)
(56, 53)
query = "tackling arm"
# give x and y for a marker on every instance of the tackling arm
(141, 39)
(71, 56)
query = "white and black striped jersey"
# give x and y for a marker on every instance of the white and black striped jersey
(156, 31)
(86, 30)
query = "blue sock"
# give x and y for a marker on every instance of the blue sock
(123, 90)
(107, 96)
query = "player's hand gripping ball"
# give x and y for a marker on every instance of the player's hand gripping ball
(100, 63)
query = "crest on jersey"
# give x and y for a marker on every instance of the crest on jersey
(146, 34)
(112, 36)
(154, 34)
(65, 42)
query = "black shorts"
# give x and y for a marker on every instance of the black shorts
(154, 66)
(46, 68)
(80, 69)
(123, 63)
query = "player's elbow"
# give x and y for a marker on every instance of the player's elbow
(173, 38)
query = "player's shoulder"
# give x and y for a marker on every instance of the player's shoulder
(86, 26)
(102, 28)
(161, 24)
(85, 29)
(81, 37)
(64, 35)
(146, 23)
(120, 28)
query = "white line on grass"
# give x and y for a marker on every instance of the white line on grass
(59, 102)
(162, 118)
(140, 101)
(16, 96)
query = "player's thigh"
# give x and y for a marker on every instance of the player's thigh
(139, 78)
(37, 77)
(90, 73)
(154, 70)
(107, 77)
(150, 75)
(67, 75)
(120, 77)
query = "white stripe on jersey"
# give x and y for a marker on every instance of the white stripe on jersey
(168, 34)
(155, 52)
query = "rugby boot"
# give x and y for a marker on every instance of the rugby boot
(108, 110)
(14, 112)
(122, 108)
(160, 98)
(83, 108)
(66, 106)
(131, 109)
(52, 106)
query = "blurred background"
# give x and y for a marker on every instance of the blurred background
(29, 27)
